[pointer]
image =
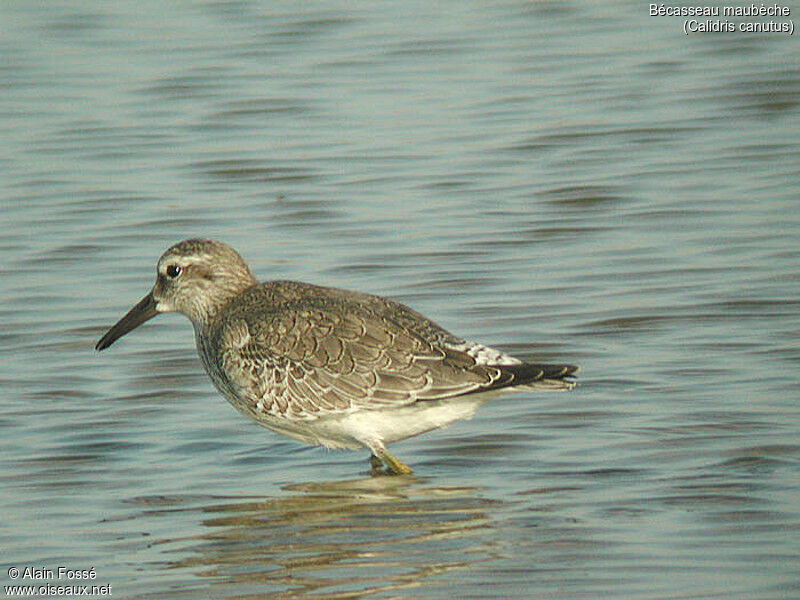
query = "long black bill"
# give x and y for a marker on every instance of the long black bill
(143, 311)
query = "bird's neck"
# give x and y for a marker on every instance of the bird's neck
(203, 315)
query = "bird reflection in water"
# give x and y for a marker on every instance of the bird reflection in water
(334, 540)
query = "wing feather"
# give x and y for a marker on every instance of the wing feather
(301, 352)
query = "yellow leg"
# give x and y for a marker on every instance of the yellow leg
(394, 466)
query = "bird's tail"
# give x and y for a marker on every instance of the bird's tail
(541, 376)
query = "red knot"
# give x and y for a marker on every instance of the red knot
(325, 366)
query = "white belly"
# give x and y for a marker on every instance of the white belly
(362, 428)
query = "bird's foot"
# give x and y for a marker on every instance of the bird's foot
(375, 464)
(393, 466)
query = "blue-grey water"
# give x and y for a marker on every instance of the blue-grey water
(568, 181)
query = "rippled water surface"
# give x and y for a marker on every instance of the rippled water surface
(574, 182)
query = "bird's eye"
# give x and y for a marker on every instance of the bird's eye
(173, 271)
